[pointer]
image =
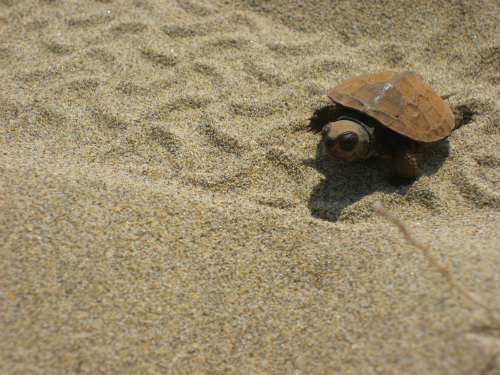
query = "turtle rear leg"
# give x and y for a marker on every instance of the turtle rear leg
(463, 115)
(405, 161)
(323, 116)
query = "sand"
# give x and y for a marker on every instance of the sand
(162, 212)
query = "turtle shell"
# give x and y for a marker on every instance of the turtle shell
(402, 101)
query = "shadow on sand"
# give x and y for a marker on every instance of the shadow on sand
(346, 182)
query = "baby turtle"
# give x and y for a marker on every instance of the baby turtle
(390, 115)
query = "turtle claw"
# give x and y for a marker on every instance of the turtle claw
(310, 127)
(321, 117)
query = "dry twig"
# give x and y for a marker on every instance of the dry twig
(442, 269)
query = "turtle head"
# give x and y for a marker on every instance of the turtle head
(348, 140)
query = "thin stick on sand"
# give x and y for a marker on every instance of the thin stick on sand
(442, 269)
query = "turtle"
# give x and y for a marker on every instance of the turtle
(390, 115)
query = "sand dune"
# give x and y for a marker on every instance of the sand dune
(163, 211)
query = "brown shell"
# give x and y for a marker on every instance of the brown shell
(402, 101)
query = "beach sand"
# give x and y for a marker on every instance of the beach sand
(162, 211)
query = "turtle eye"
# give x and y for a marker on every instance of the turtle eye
(348, 140)
(330, 142)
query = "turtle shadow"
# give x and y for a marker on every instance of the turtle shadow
(347, 182)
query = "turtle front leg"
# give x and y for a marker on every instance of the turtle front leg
(405, 161)
(323, 116)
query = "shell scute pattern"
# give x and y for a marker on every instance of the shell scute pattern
(403, 102)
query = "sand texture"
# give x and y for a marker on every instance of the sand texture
(163, 212)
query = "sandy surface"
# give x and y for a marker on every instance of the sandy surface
(162, 213)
